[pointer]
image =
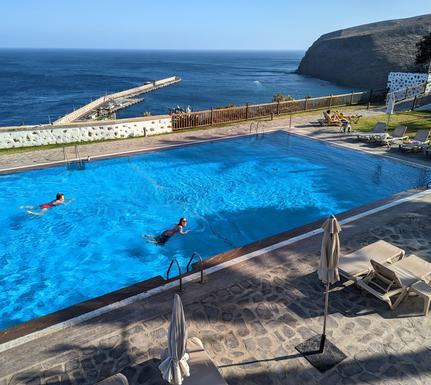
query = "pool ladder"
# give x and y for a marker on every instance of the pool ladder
(74, 164)
(188, 268)
(254, 126)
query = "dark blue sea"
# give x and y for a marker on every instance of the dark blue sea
(39, 85)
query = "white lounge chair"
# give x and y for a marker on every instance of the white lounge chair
(116, 379)
(202, 368)
(391, 283)
(398, 135)
(357, 263)
(380, 128)
(418, 143)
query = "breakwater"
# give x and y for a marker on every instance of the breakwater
(114, 102)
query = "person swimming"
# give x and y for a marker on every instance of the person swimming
(44, 207)
(168, 234)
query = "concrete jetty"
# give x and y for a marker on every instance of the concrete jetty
(106, 105)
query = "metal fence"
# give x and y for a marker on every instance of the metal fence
(236, 114)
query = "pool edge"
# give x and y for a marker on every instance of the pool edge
(76, 314)
(121, 154)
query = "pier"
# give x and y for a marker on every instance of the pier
(107, 105)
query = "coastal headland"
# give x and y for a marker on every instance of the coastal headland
(363, 56)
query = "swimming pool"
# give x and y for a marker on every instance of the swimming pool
(233, 192)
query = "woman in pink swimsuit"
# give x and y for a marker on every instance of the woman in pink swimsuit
(44, 207)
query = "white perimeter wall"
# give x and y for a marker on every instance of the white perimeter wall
(401, 80)
(25, 136)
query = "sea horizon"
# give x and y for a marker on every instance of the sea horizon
(42, 85)
(158, 49)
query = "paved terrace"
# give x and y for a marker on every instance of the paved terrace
(252, 315)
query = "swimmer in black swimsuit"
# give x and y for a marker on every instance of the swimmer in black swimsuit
(167, 234)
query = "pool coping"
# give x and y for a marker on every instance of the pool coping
(83, 311)
(46, 165)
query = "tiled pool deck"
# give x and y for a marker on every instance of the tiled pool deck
(251, 315)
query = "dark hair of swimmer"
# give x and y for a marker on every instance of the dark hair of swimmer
(59, 196)
(182, 220)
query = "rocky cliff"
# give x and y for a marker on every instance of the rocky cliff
(363, 56)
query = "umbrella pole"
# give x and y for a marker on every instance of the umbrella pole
(323, 339)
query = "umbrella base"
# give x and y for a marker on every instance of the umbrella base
(322, 361)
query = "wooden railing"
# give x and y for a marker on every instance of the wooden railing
(236, 114)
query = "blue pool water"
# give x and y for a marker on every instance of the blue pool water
(233, 192)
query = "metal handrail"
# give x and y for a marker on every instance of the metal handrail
(179, 270)
(66, 159)
(78, 160)
(201, 267)
(256, 127)
(78, 157)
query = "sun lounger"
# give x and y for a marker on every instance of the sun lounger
(410, 268)
(398, 135)
(202, 368)
(329, 121)
(391, 283)
(380, 128)
(419, 142)
(356, 264)
(116, 379)
(351, 118)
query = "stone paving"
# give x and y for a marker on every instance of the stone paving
(250, 317)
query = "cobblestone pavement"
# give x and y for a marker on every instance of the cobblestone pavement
(250, 317)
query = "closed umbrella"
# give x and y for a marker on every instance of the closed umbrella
(175, 367)
(328, 266)
(390, 104)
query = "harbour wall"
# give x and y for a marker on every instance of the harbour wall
(79, 113)
(27, 136)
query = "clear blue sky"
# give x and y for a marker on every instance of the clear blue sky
(188, 24)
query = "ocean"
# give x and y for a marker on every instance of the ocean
(38, 86)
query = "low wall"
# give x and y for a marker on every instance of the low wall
(402, 80)
(26, 136)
